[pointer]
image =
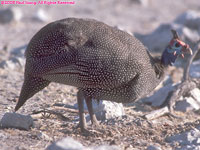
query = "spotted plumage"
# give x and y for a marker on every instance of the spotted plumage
(102, 61)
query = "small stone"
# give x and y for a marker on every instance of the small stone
(45, 136)
(186, 140)
(10, 14)
(198, 141)
(153, 147)
(187, 104)
(19, 51)
(157, 98)
(167, 80)
(106, 109)
(7, 64)
(105, 147)
(195, 93)
(67, 143)
(41, 16)
(3, 136)
(129, 147)
(14, 63)
(142, 2)
(18, 121)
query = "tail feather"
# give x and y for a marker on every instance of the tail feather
(30, 87)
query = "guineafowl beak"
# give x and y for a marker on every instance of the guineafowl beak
(187, 50)
(179, 48)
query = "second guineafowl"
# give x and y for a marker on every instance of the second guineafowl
(102, 61)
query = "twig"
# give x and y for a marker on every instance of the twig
(66, 109)
(157, 113)
(47, 113)
(186, 84)
(190, 60)
(181, 89)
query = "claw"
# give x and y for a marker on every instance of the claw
(187, 50)
(190, 51)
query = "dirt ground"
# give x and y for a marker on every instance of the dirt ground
(132, 131)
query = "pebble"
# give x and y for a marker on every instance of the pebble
(17, 121)
(41, 16)
(106, 109)
(69, 143)
(10, 14)
(157, 98)
(186, 140)
(14, 63)
(144, 3)
(105, 147)
(187, 104)
(153, 147)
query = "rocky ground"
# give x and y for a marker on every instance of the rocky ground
(53, 109)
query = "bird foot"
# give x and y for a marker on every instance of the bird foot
(86, 132)
(89, 130)
(95, 125)
(173, 115)
(160, 112)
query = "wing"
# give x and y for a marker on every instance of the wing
(90, 53)
(54, 46)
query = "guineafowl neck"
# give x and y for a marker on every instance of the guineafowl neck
(158, 66)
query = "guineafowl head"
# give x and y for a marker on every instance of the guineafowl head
(175, 48)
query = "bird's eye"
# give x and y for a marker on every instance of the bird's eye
(177, 45)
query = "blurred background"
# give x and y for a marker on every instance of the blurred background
(148, 20)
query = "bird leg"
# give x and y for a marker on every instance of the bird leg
(82, 120)
(91, 112)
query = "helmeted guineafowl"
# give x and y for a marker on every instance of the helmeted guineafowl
(102, 61)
